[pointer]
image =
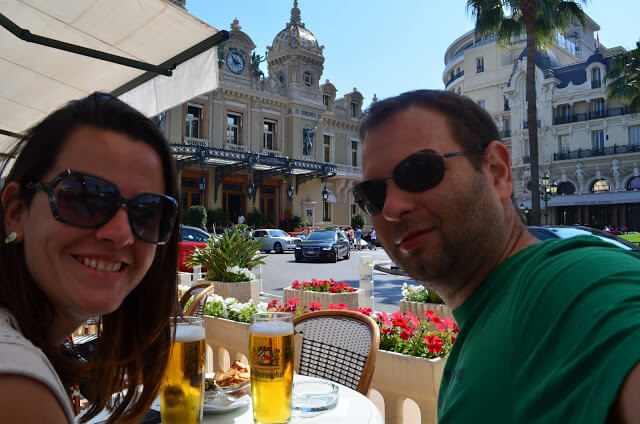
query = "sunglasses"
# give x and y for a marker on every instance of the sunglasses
(88, 201)
(416, 173)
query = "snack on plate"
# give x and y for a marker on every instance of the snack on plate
(238, 373)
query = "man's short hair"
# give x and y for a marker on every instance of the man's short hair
(470, 125)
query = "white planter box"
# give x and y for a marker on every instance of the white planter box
(349, 299)
(244, 291)
(419, 308)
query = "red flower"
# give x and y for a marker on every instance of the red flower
(315, 306)
(448, 322)
(366, 311)
(340, 306)
(405, 334)
(273, 304)
(292, 305)
(295, 284)
(455, 328)
(434, 343)
(453, 339)
(383, 318)
(399, 322)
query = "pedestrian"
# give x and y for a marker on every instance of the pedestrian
(374, 239)
(358, 238)
(351, 236)
(88, 216)
(546, 333)
(240, 219)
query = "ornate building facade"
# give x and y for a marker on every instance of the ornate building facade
(281, 143)
(588, 144)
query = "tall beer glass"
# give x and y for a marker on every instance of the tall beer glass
(181, 394)
(271, 360)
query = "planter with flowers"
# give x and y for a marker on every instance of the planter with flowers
(228, 261)
(324, 292)
(418, 300)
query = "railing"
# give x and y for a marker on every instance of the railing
(236, 147)
(273, 152)
(349, 170)
(596, 84)
(455, 77)
(594, 114)
(193, 141)
(506, 133)
(587, 153)
(526, 159)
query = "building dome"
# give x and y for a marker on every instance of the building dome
(295, 36)
(596, 57)
(544, 59)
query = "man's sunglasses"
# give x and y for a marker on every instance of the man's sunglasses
(87, 201)
(418, 172)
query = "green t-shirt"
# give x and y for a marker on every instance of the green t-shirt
(548, 337)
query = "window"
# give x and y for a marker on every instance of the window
(634, 135)
(597, 140)
(354, 110)
(564, 114)
(506, 127)
(269, 140)
(563, 144)
(634, 184)
(481, 104)
(234, 128)
(595, 78)
(325, 100)
(326, 212)
(506, 104)
(354, 207)
(354, 153)
(479, 64)
(327, 148)
(600, 186)
(307, 79)
(597, 108)
(194, 118)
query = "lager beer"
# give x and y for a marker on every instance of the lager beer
(181, 394)
(271, 360)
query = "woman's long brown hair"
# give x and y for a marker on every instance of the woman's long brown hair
(134, 343)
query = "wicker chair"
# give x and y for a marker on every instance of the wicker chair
(340, 346)
(199, 293)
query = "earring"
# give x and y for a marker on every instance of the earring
(11, 237)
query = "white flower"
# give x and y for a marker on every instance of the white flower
(236, 307)
(261, 307)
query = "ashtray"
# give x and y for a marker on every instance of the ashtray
(313, 396)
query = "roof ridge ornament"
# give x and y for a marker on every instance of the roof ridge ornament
(235, 25)
(295, 14)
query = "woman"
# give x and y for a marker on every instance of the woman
(87, 211)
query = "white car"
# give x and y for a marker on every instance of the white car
(277, 240)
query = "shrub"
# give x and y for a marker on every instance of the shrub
(219, 216)
(255, 219)
(196, 216)
(358, 221)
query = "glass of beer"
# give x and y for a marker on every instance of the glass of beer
(181, 394)
(271, 360)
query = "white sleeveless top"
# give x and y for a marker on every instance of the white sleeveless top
(19, 356)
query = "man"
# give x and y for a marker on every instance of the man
(358, 238)
(549, 331)
(374, 239)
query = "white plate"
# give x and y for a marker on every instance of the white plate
(221, 404)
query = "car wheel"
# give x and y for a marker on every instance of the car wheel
(335, 255)
(348, 255)
(278, 248)
(298, 259)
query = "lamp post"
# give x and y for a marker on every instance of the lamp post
(290, 192)
(325, 194)
(547, 191)
(524, 213)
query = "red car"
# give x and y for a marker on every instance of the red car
(191, 237)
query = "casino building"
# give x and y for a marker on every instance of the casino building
(588, 144)
(282, 143)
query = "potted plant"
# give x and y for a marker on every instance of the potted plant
(324, 292)
(228, 261)
(418, 300)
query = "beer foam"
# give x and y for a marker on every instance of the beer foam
(271, 328)
(189, 333)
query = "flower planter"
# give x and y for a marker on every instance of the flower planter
(398, 377)
(349, 299)
(244, 291)
(419, 308)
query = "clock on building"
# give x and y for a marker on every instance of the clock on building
(235, 61)
(282, 78)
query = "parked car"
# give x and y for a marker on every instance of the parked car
(559, 231)
(328, 244)
(190, 238)
(277, 240)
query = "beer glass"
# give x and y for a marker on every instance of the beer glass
(181, 394)
(271, 360)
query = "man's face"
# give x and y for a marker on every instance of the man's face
(437, 235)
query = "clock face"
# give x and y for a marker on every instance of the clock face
(282, 78)
(235, 61)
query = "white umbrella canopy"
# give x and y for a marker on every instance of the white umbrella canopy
(37, 79)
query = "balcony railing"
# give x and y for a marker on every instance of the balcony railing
(526, 159)
(236, 147)
(193, 141)
(587, 153)
(594, 114)
(596, 84)
(455, 77)
(506, 133)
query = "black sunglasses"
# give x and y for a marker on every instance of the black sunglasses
(418, 172)
(87, 201)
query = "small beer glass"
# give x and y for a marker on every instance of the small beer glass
(271, 359)
(181, 394)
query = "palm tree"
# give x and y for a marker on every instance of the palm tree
(538, 19)
(624, 78)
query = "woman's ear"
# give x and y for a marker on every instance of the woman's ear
(15, 210)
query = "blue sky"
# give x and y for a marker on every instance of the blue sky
(387, 47)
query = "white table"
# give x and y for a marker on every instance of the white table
(352, 407)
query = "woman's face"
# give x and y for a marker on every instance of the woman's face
(88, 272)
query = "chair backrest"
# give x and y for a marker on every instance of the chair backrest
(340, 346)
(199, 294)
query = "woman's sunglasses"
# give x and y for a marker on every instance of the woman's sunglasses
(418, 172)
(87, 201)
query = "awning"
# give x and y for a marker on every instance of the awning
(595, 199)
(37, 79)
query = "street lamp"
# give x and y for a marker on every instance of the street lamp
(251, 188)
(547, 191)
(325, 194)
(290, 192)
(524, 213)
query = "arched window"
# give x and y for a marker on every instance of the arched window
(600, 186)
(566, 188)
(634, 184)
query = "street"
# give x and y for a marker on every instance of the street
(282, 269)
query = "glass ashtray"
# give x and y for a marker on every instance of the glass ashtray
(313, 396)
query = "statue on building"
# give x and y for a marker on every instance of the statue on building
(580, 175)
(307, 140)
(616, 172)
(256, 60)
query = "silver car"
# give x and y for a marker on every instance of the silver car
(277, 240)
